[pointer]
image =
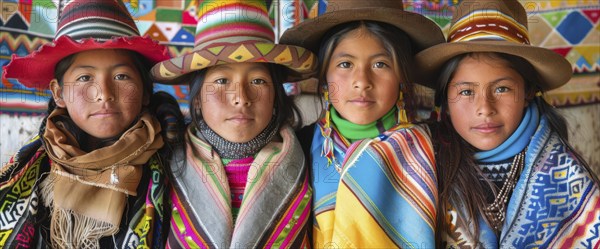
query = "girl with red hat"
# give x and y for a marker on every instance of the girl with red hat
(93, 177)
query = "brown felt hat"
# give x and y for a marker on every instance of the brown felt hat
(494, 26)
(422, 31)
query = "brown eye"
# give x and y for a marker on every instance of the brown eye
(221, 81)
(121, 77)
(258, 81)
(344, 65)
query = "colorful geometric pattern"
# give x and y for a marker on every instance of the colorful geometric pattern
(235, 31)
(24, 218)
(555, 204)
(571, 28)
(296, 58)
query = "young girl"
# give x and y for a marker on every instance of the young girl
(372, 170)
(241, 180)
(93, 176)
(508, 176)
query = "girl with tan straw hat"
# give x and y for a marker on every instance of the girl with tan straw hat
(93, 176)
(241, 180)
(373, 170)
(508, 176)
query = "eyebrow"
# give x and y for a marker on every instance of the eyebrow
(112, 67)
(476, 83)
(341, 55)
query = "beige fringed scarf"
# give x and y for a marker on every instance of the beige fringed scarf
(87, 191)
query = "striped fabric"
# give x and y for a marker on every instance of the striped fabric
(221, 21)
(488, 24)
(383, 195)
(274, 211)
(235, 31)
(99, 19)
(555, 204)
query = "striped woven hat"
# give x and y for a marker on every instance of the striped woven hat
(84, 25)
(494, 26)
(235, 31)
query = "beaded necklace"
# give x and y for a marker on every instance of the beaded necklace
(495, 212)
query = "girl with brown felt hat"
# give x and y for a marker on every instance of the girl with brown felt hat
(508, 176)
(373, 168)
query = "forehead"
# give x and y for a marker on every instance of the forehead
(360, 40)
(103, 55)
(485, 66)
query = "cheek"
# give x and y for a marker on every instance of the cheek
(336, 83)
(130, 92)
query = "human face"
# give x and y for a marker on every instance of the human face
(486, 100)
(363, 83)
(102, 92)
(237, 100)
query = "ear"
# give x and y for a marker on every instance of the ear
(57, 93)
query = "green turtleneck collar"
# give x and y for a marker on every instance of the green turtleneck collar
(353, 132)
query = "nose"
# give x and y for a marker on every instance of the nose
(106, 91)
(242, 95)
(486, 105)
(362, 79)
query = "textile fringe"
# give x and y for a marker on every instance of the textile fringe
(69, 229)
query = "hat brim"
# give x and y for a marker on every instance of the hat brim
(552, 67)
(36, 70)
(423, 32)
(301, 62)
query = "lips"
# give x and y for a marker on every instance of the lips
(361, 101)
(105, 113)
(240, 118)
(487, 127)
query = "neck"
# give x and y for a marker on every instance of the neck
(231, 150)
(355, 132)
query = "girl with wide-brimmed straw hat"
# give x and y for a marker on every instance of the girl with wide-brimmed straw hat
(373, 170)
(241, 180)
(508, 176)
(93, 176)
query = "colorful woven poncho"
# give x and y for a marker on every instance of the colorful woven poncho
(274, 212)
(384, 194)
(555, 204)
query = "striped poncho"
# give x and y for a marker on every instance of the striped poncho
(275, 209)
(377, 193)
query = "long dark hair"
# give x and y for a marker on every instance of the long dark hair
(286, 111)
(395, 42)
(458, 174)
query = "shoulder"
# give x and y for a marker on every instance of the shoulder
(28, 154)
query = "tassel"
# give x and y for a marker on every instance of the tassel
(71, 230)
(326, 131)
(402, 116)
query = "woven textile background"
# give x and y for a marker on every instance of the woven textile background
(571, 28)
